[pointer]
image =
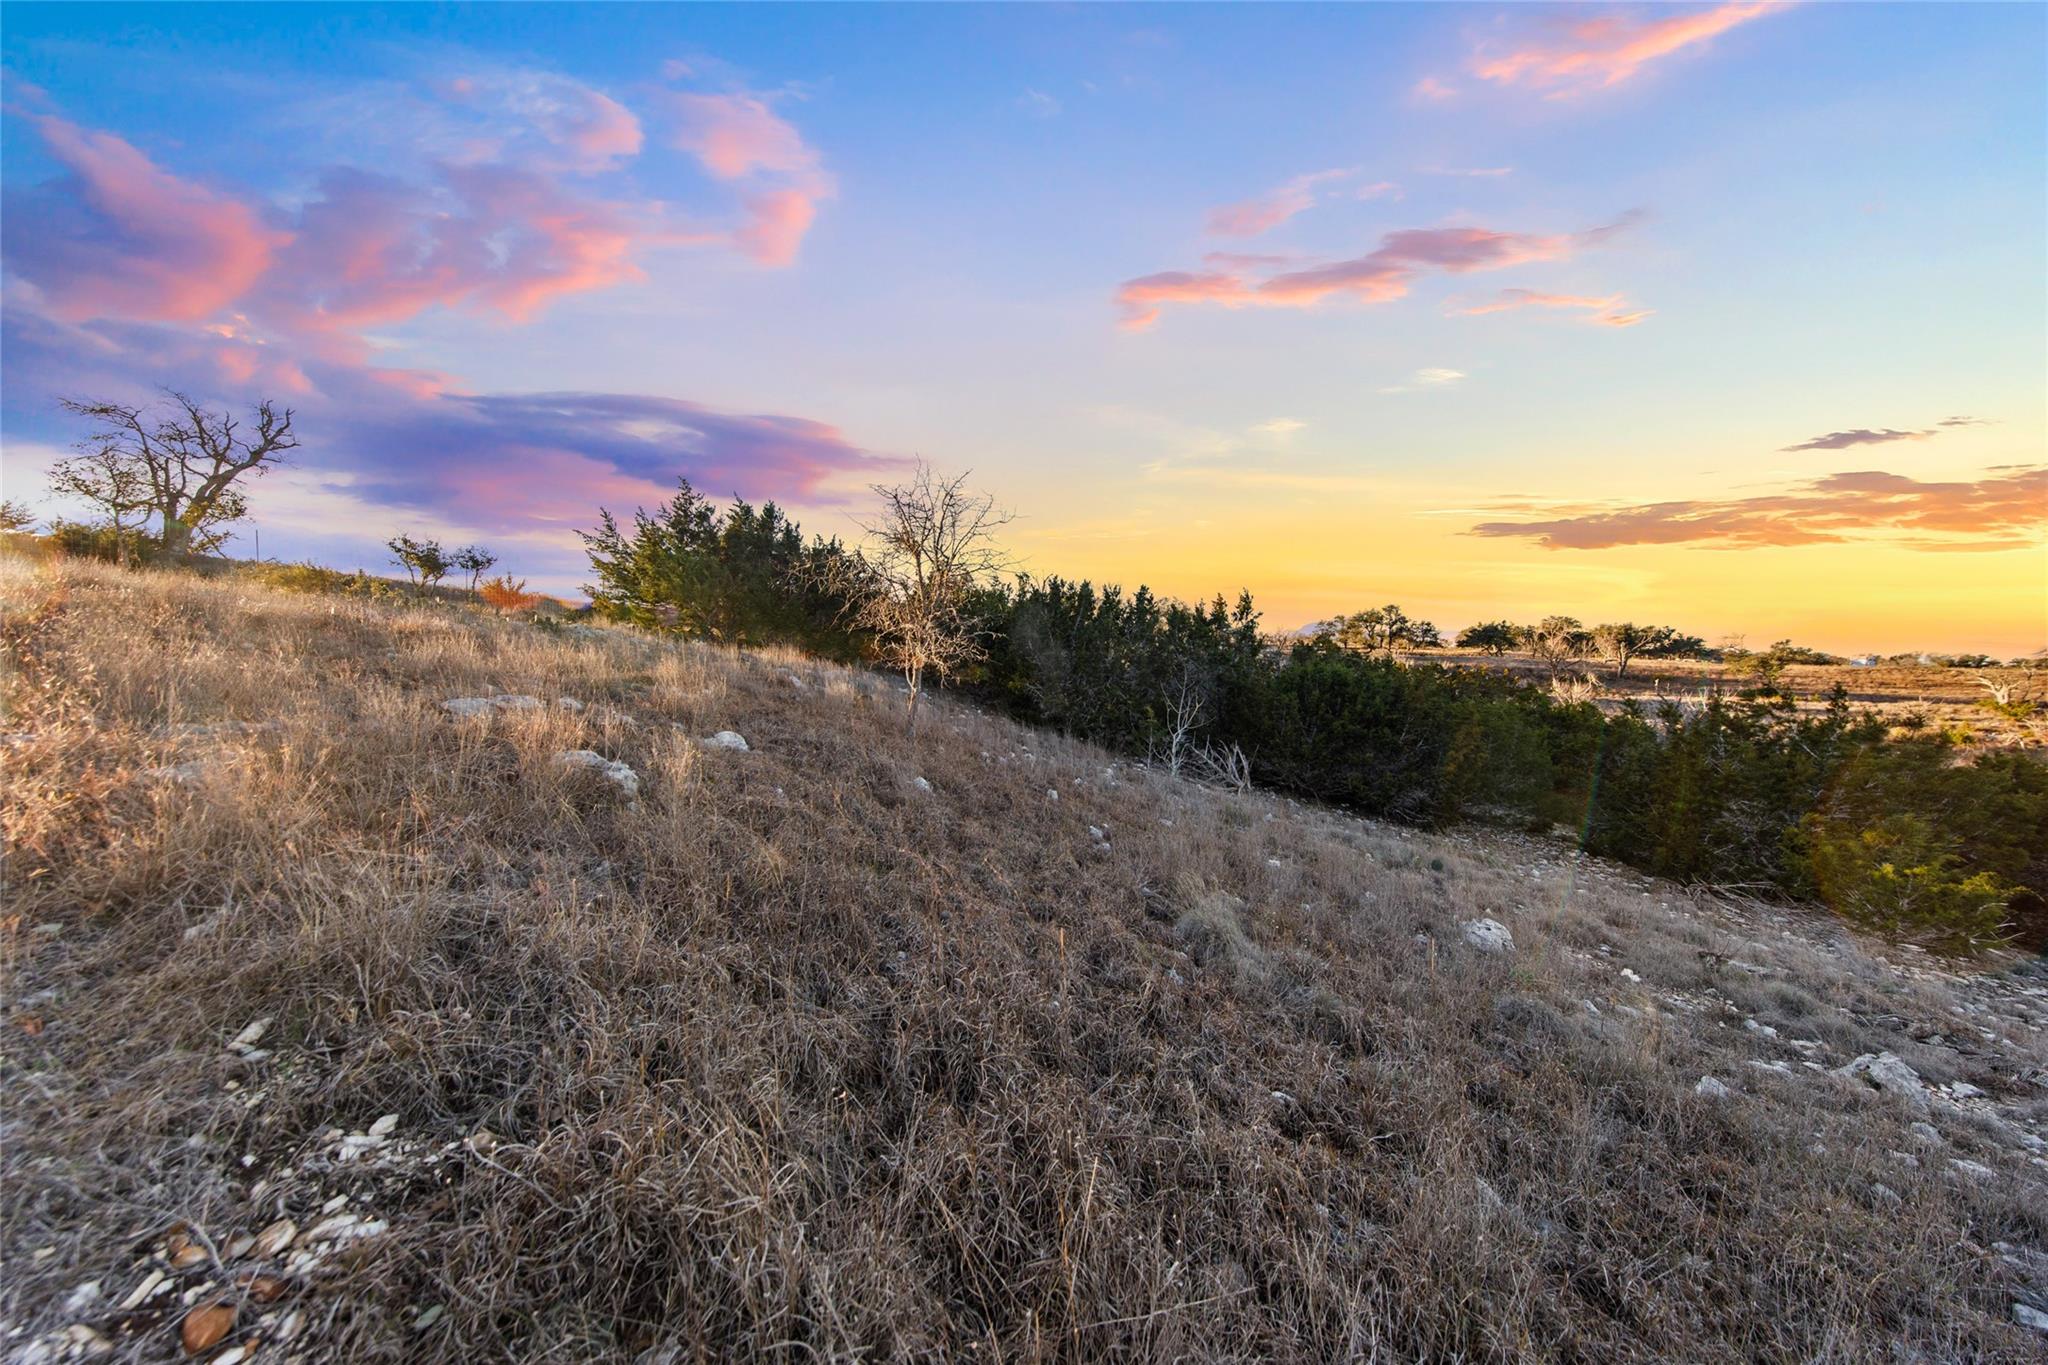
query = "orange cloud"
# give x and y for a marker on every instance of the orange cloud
(2002, 510)
(1610, 48)
(125, 239)
(1376, 277)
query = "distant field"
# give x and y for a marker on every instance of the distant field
(1946, 698)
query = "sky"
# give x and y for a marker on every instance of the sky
(1732, 317)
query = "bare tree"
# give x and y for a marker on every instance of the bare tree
(110, 481)
(931, 545)
(190, 459)
(1556, 642)
(1185, 705)
(1620, 642)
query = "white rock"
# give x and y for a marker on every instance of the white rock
(1976, 1170)
(569, 703)
(83, 1297)
(1963, 1090)
(384, 1127)
(253, 1034)
(2030, 1317)
(190, 771)
(1052, 794)
(1712, 1089)
(621, 776)
(725, 739)
(477, 706)
(1488, 935)
(1888, 1073)
(1927, 1133)
(920, 784)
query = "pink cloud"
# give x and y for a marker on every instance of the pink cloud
(123, 238)
(1607, 312)
(1431, 89)
(776, 226)
(1611, 47)
(1998, 511)
(738, 137)
(1250, 217)
(1377, 277)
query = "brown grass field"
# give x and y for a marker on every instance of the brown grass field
(789, 1057)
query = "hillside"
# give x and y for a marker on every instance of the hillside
(342, 1024)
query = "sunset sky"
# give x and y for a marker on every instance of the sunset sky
(1732, 317)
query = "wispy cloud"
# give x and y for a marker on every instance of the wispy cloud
(1608, 311)
(1431, 90)
(2001, 510)
(1868, 436)
(1609, 48)
(1434, 377)
(1470, 172)
(1376, 277)
(1038, 104)
(1250, 217)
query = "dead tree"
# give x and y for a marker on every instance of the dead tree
(190, 459)
(931, 545)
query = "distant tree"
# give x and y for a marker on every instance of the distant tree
(1494, 637)
(1620, 642)
(424, 561)
(189, 458)
(930, 550)
(1380, 630)
(1557, 642)
(114, 485)
(15, 516)
(473, 560)
(503, 594)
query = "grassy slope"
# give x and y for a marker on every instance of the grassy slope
(793, 1057)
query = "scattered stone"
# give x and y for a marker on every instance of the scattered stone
(726, 739)
(2027, 1316)
(1052, 793)
(1887, 1072)
(1488, 935)
(1712, 1089)
(1927, 1133)
(920, 784)
(1963, 1090)
(184, 774)
(1976, 1170)
(618, 774)
(1886, 1195)
(384, 1127)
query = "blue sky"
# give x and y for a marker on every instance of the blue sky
(843, 236)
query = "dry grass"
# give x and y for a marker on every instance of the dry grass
(793, 1058)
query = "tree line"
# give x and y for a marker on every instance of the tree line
(1909, 836)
